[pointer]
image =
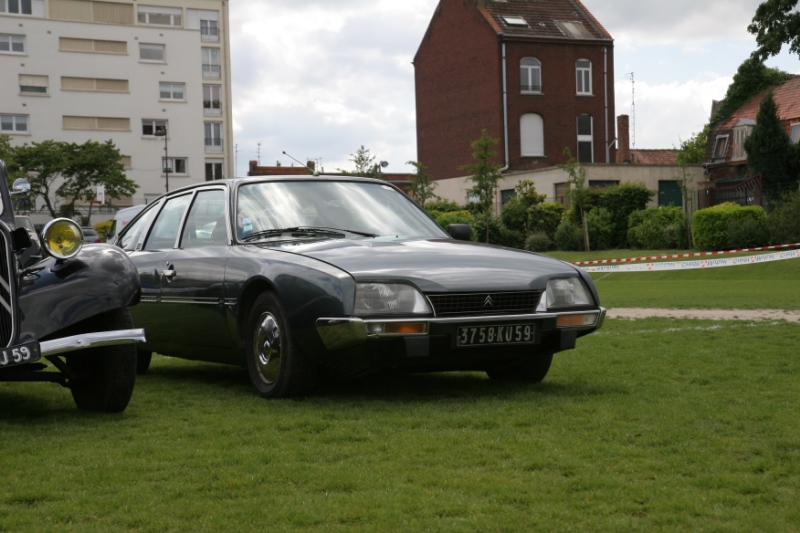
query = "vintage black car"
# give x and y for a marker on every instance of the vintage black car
(66, 307)
(300, 277)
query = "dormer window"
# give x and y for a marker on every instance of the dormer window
(720, 148)
(741, 131)
(515, 21)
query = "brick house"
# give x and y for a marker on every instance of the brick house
(727, 174)
(537, 74)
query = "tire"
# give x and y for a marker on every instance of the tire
(143, 359)
(532, 369)
(276, 366)
(102, 379)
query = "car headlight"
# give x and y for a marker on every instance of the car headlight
(389, 299)
(62, 238)
(563, 293)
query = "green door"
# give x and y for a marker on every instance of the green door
(669, 193)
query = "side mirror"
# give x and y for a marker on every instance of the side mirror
(460, 232)
(20, 186)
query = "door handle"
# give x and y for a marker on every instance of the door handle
(169, 272)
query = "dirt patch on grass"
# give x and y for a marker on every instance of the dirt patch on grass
(708, 314)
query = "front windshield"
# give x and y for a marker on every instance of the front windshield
(373, 209)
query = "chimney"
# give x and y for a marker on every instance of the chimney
(623, 136)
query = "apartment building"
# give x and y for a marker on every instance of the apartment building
(152, 76)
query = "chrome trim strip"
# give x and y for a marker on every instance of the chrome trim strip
(92, 340)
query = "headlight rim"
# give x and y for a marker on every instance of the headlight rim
(419, 298)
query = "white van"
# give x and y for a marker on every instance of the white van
(121, 220)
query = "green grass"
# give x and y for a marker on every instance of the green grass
(774, 285)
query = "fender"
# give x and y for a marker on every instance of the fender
(100, 278)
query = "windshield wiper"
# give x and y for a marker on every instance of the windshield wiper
(296, 231)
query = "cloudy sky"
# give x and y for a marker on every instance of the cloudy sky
(319, 78)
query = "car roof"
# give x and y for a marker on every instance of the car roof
(234, 182)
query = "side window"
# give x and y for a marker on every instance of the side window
(530, 75)
(129, 238)
(165, 228)
(205, 224)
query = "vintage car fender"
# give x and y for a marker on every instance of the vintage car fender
(100, 278)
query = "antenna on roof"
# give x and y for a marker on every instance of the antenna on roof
(312, 170)
(633, 110)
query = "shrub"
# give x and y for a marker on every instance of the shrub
(539, 241)
(444, 219)
(443, 206)
(748, 232)
(545, 218)
(515, 214)
(710, 226)
(657, 228)
(784, 220)
(621, 201)
(498, 233)
(601, 228)
(569, 236)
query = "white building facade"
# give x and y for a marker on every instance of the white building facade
(152, 76)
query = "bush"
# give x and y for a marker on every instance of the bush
(498, 233)
(621, 201)
(710, 226)
(601, 228)
(783, 221)
(569, 236)
(545, 218)
(748, 233)
(444, 219)
(658, 228)
(515, 214)
(443, 206)
(539, 241)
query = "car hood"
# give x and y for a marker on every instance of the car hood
(436, 265)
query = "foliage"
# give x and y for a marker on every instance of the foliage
(770, 151)
(539, 241)
(601, 228)
(72, 172)
(569, 236)
(693, 150)
(776, 22)
(6, 151)
(622, 200)
(516, 212)
(578, 193)
(784, 220)
(103, 229)
(748, 232)
(499, 233)
(545, 217)
(658, 227)
(751, 78)
(364, 164)
(442, 205)
(484, 174)
(445, 218)
(422, 187)
(710, 226)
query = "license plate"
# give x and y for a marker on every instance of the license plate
(496, 335)
(20, 355)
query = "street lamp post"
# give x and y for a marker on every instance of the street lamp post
(161, 131)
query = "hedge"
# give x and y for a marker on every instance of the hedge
(711, 227)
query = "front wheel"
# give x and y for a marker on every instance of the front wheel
(532, 369)
(276, 366)
(102, 379)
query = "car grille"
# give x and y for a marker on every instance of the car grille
(485, 303)
(7, 282)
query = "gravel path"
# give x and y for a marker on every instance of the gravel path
(711, 314)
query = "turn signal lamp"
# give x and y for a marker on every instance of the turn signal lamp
(583, 320)
(63, 238)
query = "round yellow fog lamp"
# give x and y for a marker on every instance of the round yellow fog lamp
(63, 238)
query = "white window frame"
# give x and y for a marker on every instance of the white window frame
(584, 138)
(153, 47)
(160, 16)
(10, 41)
(177, 165)
(209, 31)
(151, 125)
(531, 135)
(168, 88)
(212, 69)
(21, 5)
(720, 148)
(18, 123)
(214, 169)
(583, 77)
(213, 136)
(212, 99)
(530, 68)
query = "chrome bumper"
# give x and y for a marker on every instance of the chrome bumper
(92, 340)
(343, 332)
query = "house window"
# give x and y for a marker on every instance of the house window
(211, 100)
(794, 133)
(514, 21)
(172, 91)
(209, 31)
(160, 16)
(17, 7)
(150, 127)
(602, 183)
(585, 139)
(213, 136)
(14, 123)
(211, 65)
(152, 52)
(741, 132)
(530, 75)
(506, 195)
(562, 193)
(531, 135)
(176, 165)
(720, 148)
(14, 44)
(213, 170)
(30, 84)
(583, 74)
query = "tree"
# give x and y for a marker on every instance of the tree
(770, 151)
(72, 173)
(775, 23)
(578, 193)
(485, 175)
(421, 185)
(364, 163)
(691, 151)
(751, 78)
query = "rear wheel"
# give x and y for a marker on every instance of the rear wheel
(102, 379)
(532, 369)
(276, 367)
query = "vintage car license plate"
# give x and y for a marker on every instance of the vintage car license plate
(496, 334)
(20, 354)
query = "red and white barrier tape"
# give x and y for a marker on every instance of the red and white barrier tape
(677, 256)
(702, 263)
